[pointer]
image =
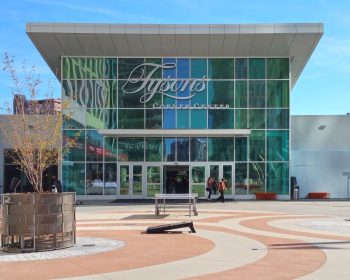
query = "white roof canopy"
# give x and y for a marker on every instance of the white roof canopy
(297, 41)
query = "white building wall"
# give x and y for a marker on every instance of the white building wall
(321, 154)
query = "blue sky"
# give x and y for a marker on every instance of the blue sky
(323, 87)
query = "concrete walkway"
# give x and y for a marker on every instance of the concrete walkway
(234, 240)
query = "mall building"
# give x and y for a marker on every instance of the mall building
(160, 108)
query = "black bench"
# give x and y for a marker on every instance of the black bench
(164, 228)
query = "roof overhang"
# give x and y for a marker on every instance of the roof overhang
(296, 41)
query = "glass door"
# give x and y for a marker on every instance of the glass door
(219, 171)
(198, 180)
(153, 181)
(130, 178)
(124, 173)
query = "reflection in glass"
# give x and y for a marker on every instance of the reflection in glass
(214, 172)
(257, 94)
(153, 119)
(110, 178)
(220, 149)
(94, 118)
(241, 147)
(94, 146)
(221, 118)
(221, 92)
(76, 153)
(198, 119)
(198, 180)
(256, 177)
(130, 149)
(169, 73)
(257, 145)
(182, 149)
(198, 68)
(183, 68)
(278, 94)
(95, 95)
(241, 180)
(277, 145)
(169, 149)
(182, 118)
(111, 67)
(257, 68)
(227, 175)
(73, 177)
(278, 118)
(94, 68)
(277, 178)
(110, 118)
(221, 68)
(153, 180)
(154, 149)
(129, 95)
(169, 118)
(241, 65)
(73, 119)
(257, 118)
(126, 65)
(198, 149)
(124, 180)
(137, 180)
(73, 68)
(110, 149)
(241, 118)
(241, 94)
(94, 178)
(110, 99)
(131, 118)
(278, 68)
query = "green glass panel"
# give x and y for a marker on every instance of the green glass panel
(257, 118)
(130, 149)
(221, 92)
(76, 153)
(153, 175)
(227, 175)
(257, 94)
(74, 68)
(277, 145)
(182, 149)
(94, 146)
(219, 118)
(214, 171)
(256, 177)
(199, 98)
(241, 65)
(74, 119)
(94, 118)
(137, 180)
(127, 65)
(110, 118)
(198, 174)
(278, 178)
(94, 68)
(241, 94)
(257, 145)
(152, 189)
(131, 119)
(221, 149)
(73, 92)
(198, 119)
(199, 188)
(241, 147)
(198, 68)
(278, 94)
(155, 101)
(278, 68)
(241, 181)
(110, 179)
(111, 68)
(154, 148)
(110, 149)
(257, 68)
(153, 118)
(94, 178)
(128, 94)
(110, 99)
(156, 74)
(278, 118)
(198, 149)
(124, 180)
(94, 94)
(221, 68)
(73, 177)
(241, 118)
(183, 118)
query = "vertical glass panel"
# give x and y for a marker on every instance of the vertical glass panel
(257, 94)
(94, 118)
(221, 68)
(73, 177)
(111, 68)
(221, 92)
(153, 180)
(198, 149)
(183, 149)
(277, 145)
(169, 116)
(130, 94)
(183, 118)
(169, 149)
(219, 118)
(278, 94)
(76, 153)
(257, 118)
(170, 72)
(153, 70)
(110, 178)
(278, 178)
(128, 119)
(227, 175)
(198, 68)
(257, 145)
(241, 118)
(110, 94)
(74, 118)
(94, 94)
(257, 68)
(278, 118)
(198, 119)
(214, 172)
(278, 68)
(199, 95)
(241, 180)
(94, 178)
(137, 180)
(198, 180)
(111, 149)
(153, 118)
(128, 65)
(154, 148)
(130, 149)
(241, 94)
(124, 180)
(241, 65)
(94, 146)
(183, 93)
(183, 68)
(241, 148)
(94, 68)
(221, 149)
(169, 98)
(110, 120)
(256, 177)
(74, 95)
(73, 68)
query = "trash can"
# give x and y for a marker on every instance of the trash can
(295, 195)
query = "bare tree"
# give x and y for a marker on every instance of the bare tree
(34, 132)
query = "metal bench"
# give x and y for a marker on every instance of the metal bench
(166, 227)
(191, 200)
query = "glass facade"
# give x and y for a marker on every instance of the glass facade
(112, 93)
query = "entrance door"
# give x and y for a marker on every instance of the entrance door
(176, 179)
(226, 171)
(130, 178)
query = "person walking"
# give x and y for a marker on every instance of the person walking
(209, 188)
(221, 189)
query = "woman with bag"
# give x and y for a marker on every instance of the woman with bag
(221, 189)
(209, 188)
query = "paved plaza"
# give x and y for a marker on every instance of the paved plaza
(233, 240)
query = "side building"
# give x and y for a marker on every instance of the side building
(160, 108)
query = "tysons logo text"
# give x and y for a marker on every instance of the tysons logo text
(166, 86)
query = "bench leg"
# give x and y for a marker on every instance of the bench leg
(195, 206)
(156, 210)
